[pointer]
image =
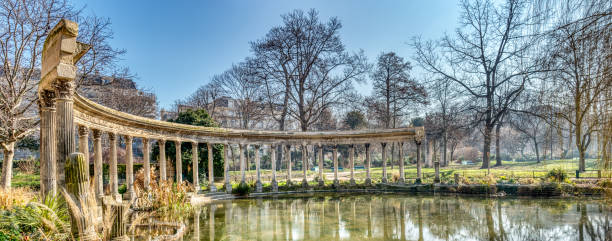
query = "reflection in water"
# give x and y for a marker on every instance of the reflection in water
(402, 217)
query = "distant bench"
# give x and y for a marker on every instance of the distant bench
(359, 168)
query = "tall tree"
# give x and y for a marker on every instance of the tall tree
(306, 67)
(24, 26)
(490, 50)
(393, 90)
(355, 120)
(581, 54)
(243, 83)
(205, 97)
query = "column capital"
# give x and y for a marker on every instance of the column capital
(47, 100)
(128, 138)
(367, 145)
(97, 134)
(194, 144)
(161, 141)
(383, 144)
(83, 131)
(177, 142)
(145, 140)
(112, 136)
(64, 90)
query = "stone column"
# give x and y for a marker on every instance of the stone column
(129, 169)
(428, 161)
(226, 176)
(194, 160)
(84, 145)
(384, 162)
(258, 186)
(305, 164)
(419, 164)
(147, 163)
(335, 158)
(114, 178)
(211, 176)
(402, 173)
(162, 160)
(368, 180)
(98, 167)
(64, 127)
(287, 155)
(352, 163)
(48, 155)
(178, 165)
(437, 168)
(273, 161)
(242, 172)
(321, 182)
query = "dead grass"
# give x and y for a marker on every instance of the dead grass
(11, 197)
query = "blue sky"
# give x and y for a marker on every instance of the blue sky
(176, 46)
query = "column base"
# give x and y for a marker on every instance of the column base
(228, 187)
(418, 181)
(274, 185)
(368, 181)
(437, 180)
(212, 188)
(384, 180)
(128, 195)
(401, 180)
(258, 186)
(353, 182)
(116, 197)
(289, 182)
(336, 183)
(304, 183)
(321, 183)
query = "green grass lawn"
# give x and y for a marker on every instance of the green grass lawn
(26, 180)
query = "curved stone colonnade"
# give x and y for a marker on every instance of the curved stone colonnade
(62, 111)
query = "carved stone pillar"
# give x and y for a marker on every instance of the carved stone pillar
(129, 169)
(226, 175)
(146, 149)
(114, 178)
(98, 167)
(258, 186)
(211, 174)
(84, 145)
(335, 158)
(48, 155)
(384, 162)
(305, 164)
(64, 126)
(242, 171)
(162, 160)
(194, 160)
(273, 161)
(368, 180)
(178, 161)
(352, 163)
(287, 155)
(419, 163)
(321, 182)
(402, 173)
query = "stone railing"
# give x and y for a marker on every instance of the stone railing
(63, 112)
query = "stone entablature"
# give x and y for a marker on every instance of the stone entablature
(96, 116)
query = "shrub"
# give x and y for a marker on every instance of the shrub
(395, 177)
(242, 189)
(46, 220)
(557, 175)
(605, 183)
(11, 197)
(27, 166)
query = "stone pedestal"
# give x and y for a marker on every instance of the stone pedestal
(258, 186)
(437, 168)
(304, 183)
(228, 187)
(274, 185)
(368, 181)
(353, 182)
(336, 184)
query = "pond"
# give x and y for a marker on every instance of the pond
(401, 217)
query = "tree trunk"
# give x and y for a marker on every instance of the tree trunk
(486, 147)
(444, 148)
(7, 165)
(537, 149)
(498, 160)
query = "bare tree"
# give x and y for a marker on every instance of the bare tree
(393, 90)
(243, 83)
(581, 53)
(306, 67)
(205, 97)
(490, 50)
(24, 24)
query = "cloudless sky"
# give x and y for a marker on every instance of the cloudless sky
(176, 46)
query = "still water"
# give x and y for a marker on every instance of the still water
(401, 217)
